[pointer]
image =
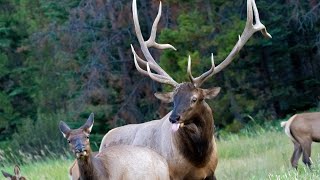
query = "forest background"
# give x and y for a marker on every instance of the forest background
(62, 60)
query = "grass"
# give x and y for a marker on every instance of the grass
(44, 170)
(262, 154)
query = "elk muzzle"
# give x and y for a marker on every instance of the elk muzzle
(174, 118)
(80, 150)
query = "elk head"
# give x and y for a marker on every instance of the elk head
(78, 139)
(188, 101)
(16, 176)
(187, 97)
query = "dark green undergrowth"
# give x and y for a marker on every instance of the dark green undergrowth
(39, 139)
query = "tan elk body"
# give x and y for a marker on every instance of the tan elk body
(184, 137)
(114, 163)
(188, 158)
(302, 129)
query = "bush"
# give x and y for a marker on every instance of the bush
(35, 139)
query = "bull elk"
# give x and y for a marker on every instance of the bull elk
(16, 176)
(117, 162)
(184, 137)
(302, 129)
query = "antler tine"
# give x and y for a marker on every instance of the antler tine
(259, 25)
(160, 78)
(204, 76)
(147, 73)
(138, 60)
(144, 47)
(189, 70)
(248, 31)
(151, 42)
(135, 57)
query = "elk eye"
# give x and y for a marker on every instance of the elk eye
(194, 99)
(69, 141)
(87, 137)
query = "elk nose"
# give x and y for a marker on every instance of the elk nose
(80, 148)
(174, 118)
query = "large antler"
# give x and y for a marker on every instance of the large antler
(248, 31)
(162, 76)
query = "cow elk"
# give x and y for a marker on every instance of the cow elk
(185, 135)
(302, 129)
(117, 162)
(16, 176)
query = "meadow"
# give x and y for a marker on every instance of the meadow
(262, 155)
(250, 155)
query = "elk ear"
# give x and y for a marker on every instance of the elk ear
(89, 124)
(7, 175)
(211, 93)
(17, 170)
(165, 97)
(64, 129)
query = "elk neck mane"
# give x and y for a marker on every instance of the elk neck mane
(86, 168)
(194, 140)
(90, 167)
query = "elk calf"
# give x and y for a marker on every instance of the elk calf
(302, 129)
(16, 176)
(117, 162)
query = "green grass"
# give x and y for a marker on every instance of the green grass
(43, 170)
(263, 154)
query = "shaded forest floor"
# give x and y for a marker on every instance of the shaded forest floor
(262, 154)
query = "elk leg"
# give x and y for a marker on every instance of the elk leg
(296, 155)
(306, 149)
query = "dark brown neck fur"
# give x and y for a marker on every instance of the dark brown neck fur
(194, 140)
(87, 168)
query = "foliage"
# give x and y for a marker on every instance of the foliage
(269, 78)
(70, 58)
